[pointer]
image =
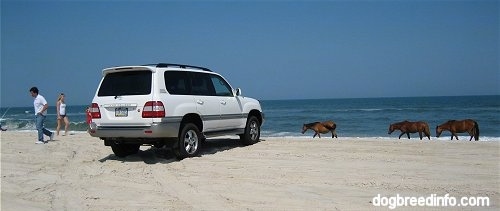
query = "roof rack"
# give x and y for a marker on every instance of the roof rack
(180, 66)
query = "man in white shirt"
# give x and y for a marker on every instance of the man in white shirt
(41, 107)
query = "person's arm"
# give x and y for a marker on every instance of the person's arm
(45, 107)
(58, 107)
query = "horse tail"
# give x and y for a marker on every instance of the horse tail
(334, 133)
(476, 131)
(427, 130)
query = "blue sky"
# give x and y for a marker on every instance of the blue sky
(270, 49)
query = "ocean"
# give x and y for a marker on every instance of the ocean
(355, 118)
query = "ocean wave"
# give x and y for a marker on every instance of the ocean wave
(29, 124)
(81, 127)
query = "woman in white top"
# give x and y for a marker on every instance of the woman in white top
(61, 115)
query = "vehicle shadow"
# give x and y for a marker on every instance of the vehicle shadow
(155, 155)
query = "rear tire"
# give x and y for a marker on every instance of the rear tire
(189, 143)
(252, 131)
(123, 150)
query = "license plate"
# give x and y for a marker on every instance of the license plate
(121, 112)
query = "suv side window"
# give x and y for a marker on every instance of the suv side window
(177, 82)
(126, 83)
(201, 84)
(221, 87)
(189, 83)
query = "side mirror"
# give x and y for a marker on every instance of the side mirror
(238, 92)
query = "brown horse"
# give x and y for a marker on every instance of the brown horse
(455, 126)
(321, 127)
(407, 127)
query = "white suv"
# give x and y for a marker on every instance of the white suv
(171, 105)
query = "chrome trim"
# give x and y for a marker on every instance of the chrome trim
(234, 116)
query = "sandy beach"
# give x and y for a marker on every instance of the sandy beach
(77, 172)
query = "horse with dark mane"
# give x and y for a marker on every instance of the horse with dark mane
(459, 126)
(321, 127)
(407, 127)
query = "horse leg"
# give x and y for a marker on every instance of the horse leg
(315, 133)
(420, 134)
(402, 133)
(472, 133)
(408, 134)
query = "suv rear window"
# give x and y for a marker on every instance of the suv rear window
(126, 83)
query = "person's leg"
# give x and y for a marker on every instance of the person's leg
(39, 127)
(45, 131)
(58, 128)
(66, 125)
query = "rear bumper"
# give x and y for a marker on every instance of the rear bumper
(155, 130)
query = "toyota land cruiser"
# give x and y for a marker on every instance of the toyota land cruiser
(170, 105)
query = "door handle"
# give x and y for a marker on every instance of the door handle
(199, 102)
(223, 102)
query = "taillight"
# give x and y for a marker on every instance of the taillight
(94, 111)
(153, 109)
